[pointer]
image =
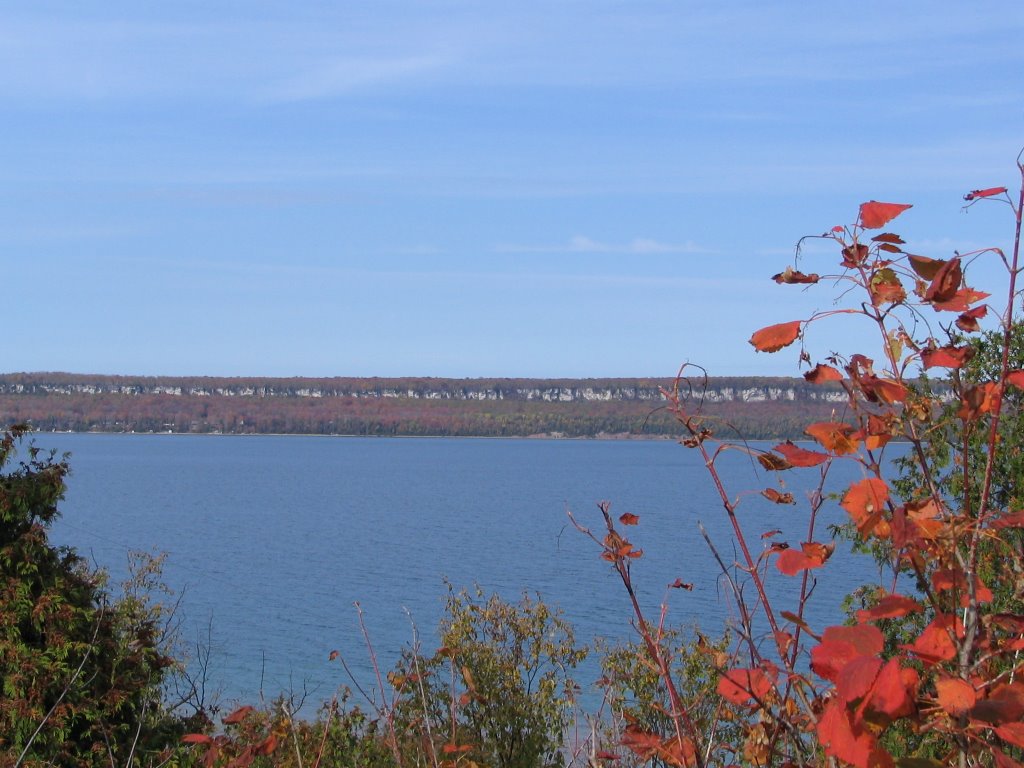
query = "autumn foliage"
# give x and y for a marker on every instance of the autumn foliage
(927, 671)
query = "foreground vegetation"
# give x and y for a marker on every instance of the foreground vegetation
(926, 672)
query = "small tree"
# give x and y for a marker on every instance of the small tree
(846, 694)
(81, 674)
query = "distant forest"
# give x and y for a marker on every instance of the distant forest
(751, 407)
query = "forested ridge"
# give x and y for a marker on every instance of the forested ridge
(755, 407)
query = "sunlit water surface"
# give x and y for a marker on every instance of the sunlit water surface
(271, 540)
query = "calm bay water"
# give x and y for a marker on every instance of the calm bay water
(271, 540)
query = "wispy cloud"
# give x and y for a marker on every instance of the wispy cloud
(583, 244)
(339, 76)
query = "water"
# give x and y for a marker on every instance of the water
(271, 540)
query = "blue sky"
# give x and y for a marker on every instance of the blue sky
(474, 188)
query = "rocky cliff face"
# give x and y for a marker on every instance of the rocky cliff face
(718, 390)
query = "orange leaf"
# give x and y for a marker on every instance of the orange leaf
(775, 337)
(196, 738)
(874, 215)
(773, 463)
(238, 715)
(800, 457)
(456, 749)
(810, 555)
(822, 373)
(628, 518)
(834, 436)
(956, 696)
(1016, 378)
(889, 607)
(947, 357)
(865, 501)
(976, 194)
(778, 498)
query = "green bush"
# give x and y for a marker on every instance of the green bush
(81, 673)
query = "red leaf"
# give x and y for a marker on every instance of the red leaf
(680, 584)
(978, 400)
(742, 686)
(977, 194)
(888, 237)
(934, 644)
(456, 749)
(840, 645)
(196, 738)
(800, 457)
(855, 679)
(778, 498)
(1005, 704)
(332, 656)
(1012, 733)
(238, 715)
(791, 276)
(947, 357)
(874, 215)
(946, 282)
(854, 255)
(1003, 760)
(1009, 520)
(893, 693)
(267, 746)
(889, 607)
(961, 300)
(968, 321)
(775, 337)
(839, 738)
(643, 743)
(628, 518)
(822, 373)
(956, 696)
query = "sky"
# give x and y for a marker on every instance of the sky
(476, 189)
